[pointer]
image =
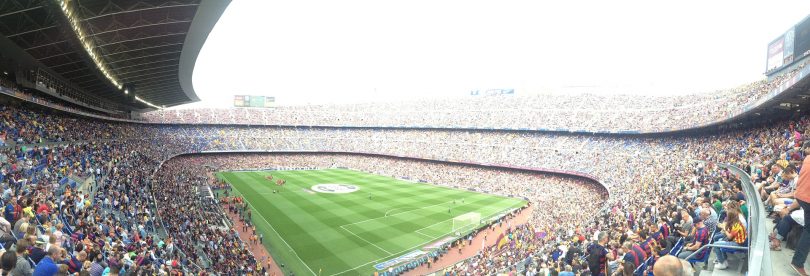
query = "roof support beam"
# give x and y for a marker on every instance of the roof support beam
(19, 11)
(63, 64)
(142, 38)
(146, 63)
(43, 45)
(152, 78)
(159, 54)
(139, 26)
(71, 71)
(31, 31)
(152, 73)
(57, 55)
(153, 84)
(158, 88)
(150, 68)
(145, 48)
(138, 10)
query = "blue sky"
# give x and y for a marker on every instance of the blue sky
(316, 52)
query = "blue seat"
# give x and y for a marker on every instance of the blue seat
(640, 270)
(676, 249)
(649, 263)
(736, 251)
(705, 258)
(643, 267)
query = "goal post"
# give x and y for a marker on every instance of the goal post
(466, 222)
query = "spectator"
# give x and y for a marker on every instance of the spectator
(803, 197)
(96, 268)
(6, 235)
(734, 235)
(48, 267)
(8, 261)
(22, 268)
(668, 266)
(567, 272)
(598, 256)
(700, 237)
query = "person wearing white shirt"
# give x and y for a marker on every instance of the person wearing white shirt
(6, 234)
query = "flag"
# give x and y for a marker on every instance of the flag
(501, 241)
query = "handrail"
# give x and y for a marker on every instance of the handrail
(759, 253)
(717, 246)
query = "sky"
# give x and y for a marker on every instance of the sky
(334, 52)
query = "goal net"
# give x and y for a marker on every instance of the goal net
(466, 222)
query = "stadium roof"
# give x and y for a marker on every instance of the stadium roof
(103, 47)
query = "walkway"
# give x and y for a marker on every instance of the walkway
(780, 260)
(258, 250)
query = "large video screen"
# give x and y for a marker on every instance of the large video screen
(253, 101)
(802, 40)
(776, 53)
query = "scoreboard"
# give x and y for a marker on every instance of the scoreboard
(802, 40)
(791, 46)
(253, 101)
(780, 51)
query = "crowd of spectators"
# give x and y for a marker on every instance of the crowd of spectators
(22, 126)
(9, 87)
(589, 112)
(86, 206)
(647, 178)
(191, 216)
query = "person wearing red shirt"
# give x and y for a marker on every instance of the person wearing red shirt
(802, 195)
(43, 209)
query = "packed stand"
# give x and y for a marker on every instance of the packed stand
(563, 111)
(195, 221)
(83, 206)
(630, 167)
(554, 193)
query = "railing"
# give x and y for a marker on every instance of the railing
(714, 245)
(759, 253)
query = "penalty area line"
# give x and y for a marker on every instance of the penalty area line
(418, 231)
(372, 244)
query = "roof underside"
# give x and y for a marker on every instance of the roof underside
(140, 41)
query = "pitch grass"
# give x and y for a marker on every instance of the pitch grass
(347, 234)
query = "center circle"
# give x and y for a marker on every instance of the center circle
(330, 188)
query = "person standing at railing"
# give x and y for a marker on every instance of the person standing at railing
(802, 194)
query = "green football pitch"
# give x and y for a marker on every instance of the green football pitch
(374, 220)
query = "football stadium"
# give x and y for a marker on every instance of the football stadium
(218, 137)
